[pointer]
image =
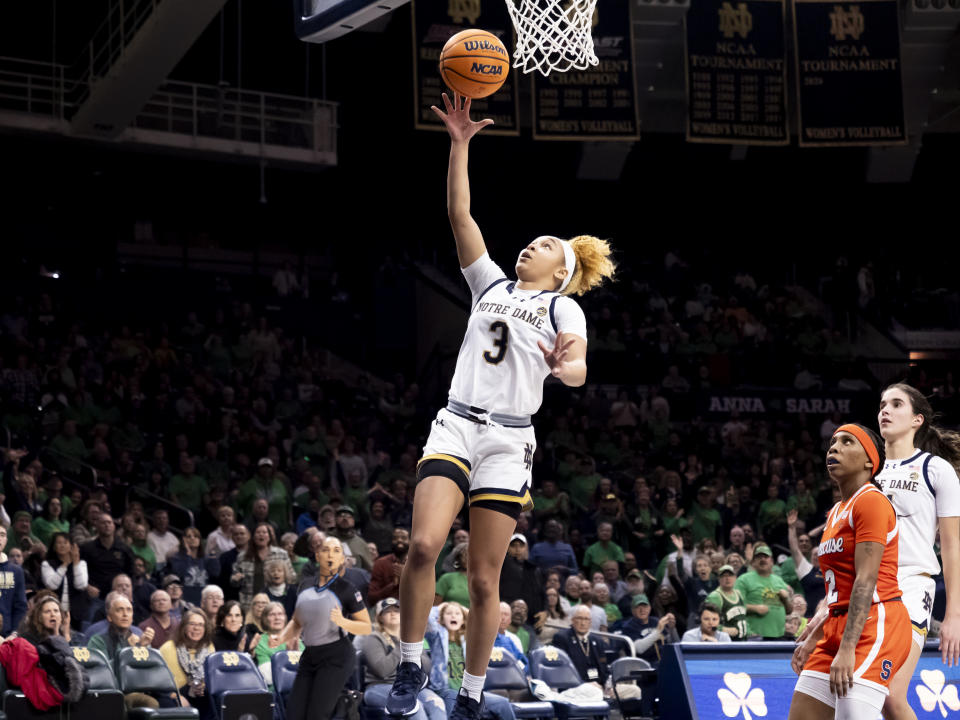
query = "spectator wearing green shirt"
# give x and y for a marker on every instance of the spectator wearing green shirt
(767, 597)
(20, 530)
(518, 624)
(705, 520)
(803, 501)
(312, 448)
(266, 485)
(187, 488)
(51, 521)
(67, 443)
(583, 483)
(772, 515)
(674, 523)
(549, 502)
(602, 550)
(141, 548)
(733, 611)
(452, 586)
(601, 596)
(214, 471)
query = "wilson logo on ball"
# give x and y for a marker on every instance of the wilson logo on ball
(486, 69)
(471, 45)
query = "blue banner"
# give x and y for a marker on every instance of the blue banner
(749, 680)
(736, 72)
(848, 73)
(599, 103)
(433, 24)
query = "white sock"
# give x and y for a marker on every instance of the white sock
(473, 685)
(411, 652)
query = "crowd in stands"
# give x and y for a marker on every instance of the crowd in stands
(168, 485)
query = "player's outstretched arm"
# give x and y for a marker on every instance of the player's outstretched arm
(461, 128)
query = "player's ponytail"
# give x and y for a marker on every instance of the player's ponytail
(594, 264)
(930, 437)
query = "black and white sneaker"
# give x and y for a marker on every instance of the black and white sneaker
(466, 708)
(402, 700)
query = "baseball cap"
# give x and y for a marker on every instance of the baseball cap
(169, 580)
(726, 568)
(762, 549)
(703, 489)
(346, 509)
(518, 536)
(264, 461)
(634, 574)
(609, 496)
(387, 603)
(640, 599)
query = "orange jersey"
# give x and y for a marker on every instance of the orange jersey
(866, 517)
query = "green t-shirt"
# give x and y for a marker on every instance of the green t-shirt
(44, 529)
(453, 586)
(613, 613)
(455, 665)
(189, 490)
(524, 635)
(772, 513)
(145, 552)
(733, 613)
(275, 494)
(596, 555)
(703, 522)
(788, 571)
(758, 590)
(582, 488)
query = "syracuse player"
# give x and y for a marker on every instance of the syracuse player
(846, 665)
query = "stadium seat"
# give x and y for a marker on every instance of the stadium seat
(16, 705)
(103, 698)
(144, 670)
(631, 669)
(236, 687)
(284, 665)
(504, 674)
(554, 667)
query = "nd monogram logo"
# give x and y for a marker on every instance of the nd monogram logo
(735, 21)
(230, 659)
(140, 654)
(293, 657)
(81, 654)
(464, 10)
(551, 654)
(527, 456)
(496, 655)
(846, 23)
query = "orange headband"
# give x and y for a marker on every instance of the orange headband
(866, 441)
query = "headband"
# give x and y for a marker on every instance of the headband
(569, 261)
(868, 445)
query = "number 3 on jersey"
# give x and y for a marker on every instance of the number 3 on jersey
(500, 342)
(831, 586)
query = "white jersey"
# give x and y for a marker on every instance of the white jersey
(500, 369)
(922, 488)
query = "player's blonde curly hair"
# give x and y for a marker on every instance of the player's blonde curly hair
(594, 264)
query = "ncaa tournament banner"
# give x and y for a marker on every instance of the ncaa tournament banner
(848, 73)
(434, 22)
(736, 72)
(599, 103)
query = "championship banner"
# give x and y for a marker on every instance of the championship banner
(433, 23)
(848, 73)
(599, 103)
(736, 72)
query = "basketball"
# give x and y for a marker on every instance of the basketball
(474, 63)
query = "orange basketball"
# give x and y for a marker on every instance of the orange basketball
(474, 63)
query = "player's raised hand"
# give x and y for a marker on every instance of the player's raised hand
(556, 355)
(457, 118)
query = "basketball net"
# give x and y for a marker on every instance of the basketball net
(553, 34)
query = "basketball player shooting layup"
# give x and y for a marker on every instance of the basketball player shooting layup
(481, 445)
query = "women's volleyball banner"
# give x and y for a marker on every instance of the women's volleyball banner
(848, 73)
(433, 24)
(599, 103)
(736, 72)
